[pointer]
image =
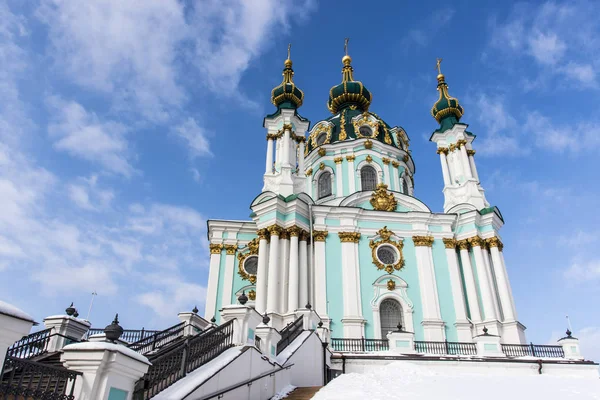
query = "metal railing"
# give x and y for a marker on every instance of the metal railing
(30, 345)
(361, 345)
(158, 339)
(533, 350)
(289, 333)
(445, 347)
(24, 379)
(129, 335)
(257, 342)
(191, 354)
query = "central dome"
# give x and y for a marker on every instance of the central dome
(349, 92)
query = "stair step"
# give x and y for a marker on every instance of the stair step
(303, 393)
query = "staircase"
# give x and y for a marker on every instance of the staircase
(303, 393)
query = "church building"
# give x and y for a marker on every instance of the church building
(339, 228)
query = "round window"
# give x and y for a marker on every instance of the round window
(387, 255)
(321, 138)
(365, 131)
(251, 265)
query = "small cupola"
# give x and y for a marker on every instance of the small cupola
(287, 94)
(446, 110)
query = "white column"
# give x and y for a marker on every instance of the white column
(310, 275)
(462, 324)
(484, 281)
(339, 181)
(470, 153)
(269, 164)
(457, 164)
(286, 148)
(301, 159)
(465, 161)
(432, 322)
(273, 287)
(309, 185)
(506, 301)
(386, 175)
(320, 275)
(213, 281)
(491, 275)
(284, 263)
(445, 172)
(352, 321)
(396, 176)
(228, 278)
(469, 281)
(262, 271)
(303, 271)
(351, 174)
(278, 151)
(294, 273)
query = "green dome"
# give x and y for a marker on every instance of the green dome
(447, 107)
(341, 127)
(287, 95)
(349, 92)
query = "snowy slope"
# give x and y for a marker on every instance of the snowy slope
(405, 380)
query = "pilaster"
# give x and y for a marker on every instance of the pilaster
(210, 307)
(262, 271)
(230, 250)
(351, 173)
(353, 320)
(320, 278)
(462, 324)
(274, 270)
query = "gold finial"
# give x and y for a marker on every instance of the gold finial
(440, 76)
(288, 61)
(346, 59)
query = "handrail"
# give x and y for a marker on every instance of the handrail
(246, 382)
(289, 334)
(359, 344)
(533, 350)
(158, 339)
(32, 345)
(445, 347)
(129, 335)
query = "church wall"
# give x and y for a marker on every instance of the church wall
(346, 178)
(462, 281)
(442, 277)
(333, 267)
(219, 302)
(411, 275)
(245, 237)
(472, 257)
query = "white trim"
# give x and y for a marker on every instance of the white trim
(399, 294)
(315, 183)
(373, 164)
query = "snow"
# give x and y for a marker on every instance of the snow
(107, 346)
(9, 309)
(283, 392)
(292, 347)
(195, 378)
(406, 380)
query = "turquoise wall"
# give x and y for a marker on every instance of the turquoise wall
(333, 268)
(117, 394)
(442, 277)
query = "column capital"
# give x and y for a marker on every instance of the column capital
(385, 160)
(351, 158)
(322, 152)
(338, 160)
(309, 172)
(294, 231)
(274, 230)
(460, 143)
(287, 127)
(423, 240)
(319, 236)
(475, 241)
(230, 249)
(346, 237)
(452, 147)
(304, 236)
(285, 235)
(495, 242)
(273, 136)
(263, 234)
(300, 139)
(441, 150)
(470, 152)
(395, 164)
(405, 158)
(463, 244)
(450, 243)
(215, 248)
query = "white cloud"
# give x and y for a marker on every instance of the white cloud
(429, 28)
(196, 175)
(176, 295)
(547, 48)
(581, 73)
(87, 195)
(82, 134)
(194, 137)
(589, 340)
(583, 271)
(560, 138)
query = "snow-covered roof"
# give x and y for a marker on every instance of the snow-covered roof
(407, 380)
(110, 347)
(9, 309)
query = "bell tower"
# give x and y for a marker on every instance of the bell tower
(462, 189)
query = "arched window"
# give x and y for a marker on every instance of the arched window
(390, 313)
(404, 186)
(324, 184)
(251, 265)
(368, 178)
(321, 138)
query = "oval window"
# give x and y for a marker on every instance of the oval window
(251, 265)
(387, 255)
(365, 131)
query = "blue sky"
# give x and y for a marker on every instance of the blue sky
(125, 125)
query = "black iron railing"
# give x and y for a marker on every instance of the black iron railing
(257, 342)
(445, 347)
(158, 339)
(129, 335)
(24, 379)
(289, 333)
(191, 354)
(533, 350)
(30, 345)
(361, 345)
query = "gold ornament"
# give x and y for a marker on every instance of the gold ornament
(391, 285)
(405, 158)
(369, 158)
(215, 248)
(461, 142)
(475, 241)
(338, 160)
(304, 236)
(294, 231)
(274, 230)
(263, 234)
(343, 134)
(309, 172)
(230, 249)
(284, 235)
(470, 152)
(449, 243)
(242, 256)
(317, 130)
(368, 144)
(349, 237)
(452, 147)
(319, 236)
(381, 200)
(395, 164)
(463, 244)
(441, 150)
(252, 295)
(495, 242)
(385, 238)
(423, 240)
(350, 158)
(385, 160)
(365, 121)
(322, 166)
(322, 152)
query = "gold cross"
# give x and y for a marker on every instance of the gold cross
(289, 48)
(439, 61)
(346, 45)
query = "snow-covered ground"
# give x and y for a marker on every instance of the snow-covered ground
(406, 380)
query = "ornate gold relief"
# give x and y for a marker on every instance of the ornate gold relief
(382, 200)
(391, 285)
(252, 295)
(395, 164)
(215, 248)
(385, 237)
(304, 236)
(449, 243)
(463, 244)
(452, 147)
(352, 237)
(368, 145)
(309, 172)
(262, 234)
(274, 230)
(369, 158)
(475, 241)
(350, 158)
(470, 152)
(343, 135)
(317, 131)
(284, 235)
(423, 240)
(294, 231)
(230, 249)
(385, 160)
(364, 120)
(441, 150)
(461, 142)
(322, 152)
(319, 236)
(495, 242)
(338, 160)
(405, 158)
(242, 256)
